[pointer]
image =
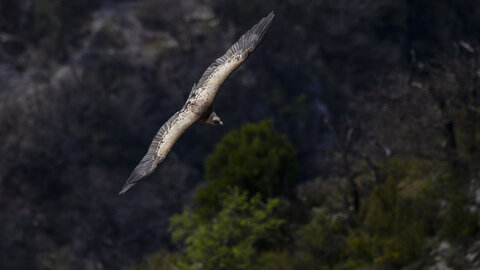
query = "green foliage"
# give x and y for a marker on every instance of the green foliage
(361, 249)
(161, 260)
(410, 170)
(397, 219)
(460, 223)
(395, 227)
(254, 158)
(229, 240)
(248, 166)
(398, 216)
(321, 242)
(272, 260)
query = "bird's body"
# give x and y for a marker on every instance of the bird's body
(199, 105)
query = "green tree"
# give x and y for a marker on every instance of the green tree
(229, 240)
(398, 216)
(321, 242)
(254, 158)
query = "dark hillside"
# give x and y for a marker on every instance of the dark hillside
(372, 127)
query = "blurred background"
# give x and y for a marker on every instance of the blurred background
(351, 137)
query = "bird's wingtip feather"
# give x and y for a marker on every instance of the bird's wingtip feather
(124, 189)
(144, 168)
(128, 185)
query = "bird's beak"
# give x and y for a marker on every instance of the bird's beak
(220, 123)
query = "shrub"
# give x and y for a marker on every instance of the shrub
(254, 158)
(229, 240)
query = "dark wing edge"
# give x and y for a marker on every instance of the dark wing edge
(150, 161)
(245, 45)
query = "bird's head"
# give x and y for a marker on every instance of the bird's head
(213, 119)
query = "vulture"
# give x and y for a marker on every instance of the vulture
(199, 104)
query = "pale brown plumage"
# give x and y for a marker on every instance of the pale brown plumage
(198, 106)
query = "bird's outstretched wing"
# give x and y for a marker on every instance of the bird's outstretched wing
(163, 141)
(223, 66)
(202, 96)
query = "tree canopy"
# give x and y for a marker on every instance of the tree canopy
(254, 158)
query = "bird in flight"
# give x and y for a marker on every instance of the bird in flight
(199, 105)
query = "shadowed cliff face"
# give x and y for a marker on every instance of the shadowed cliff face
(84, 86)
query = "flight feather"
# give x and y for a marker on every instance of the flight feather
(199, 102)
(238, 51)
(166, 137)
